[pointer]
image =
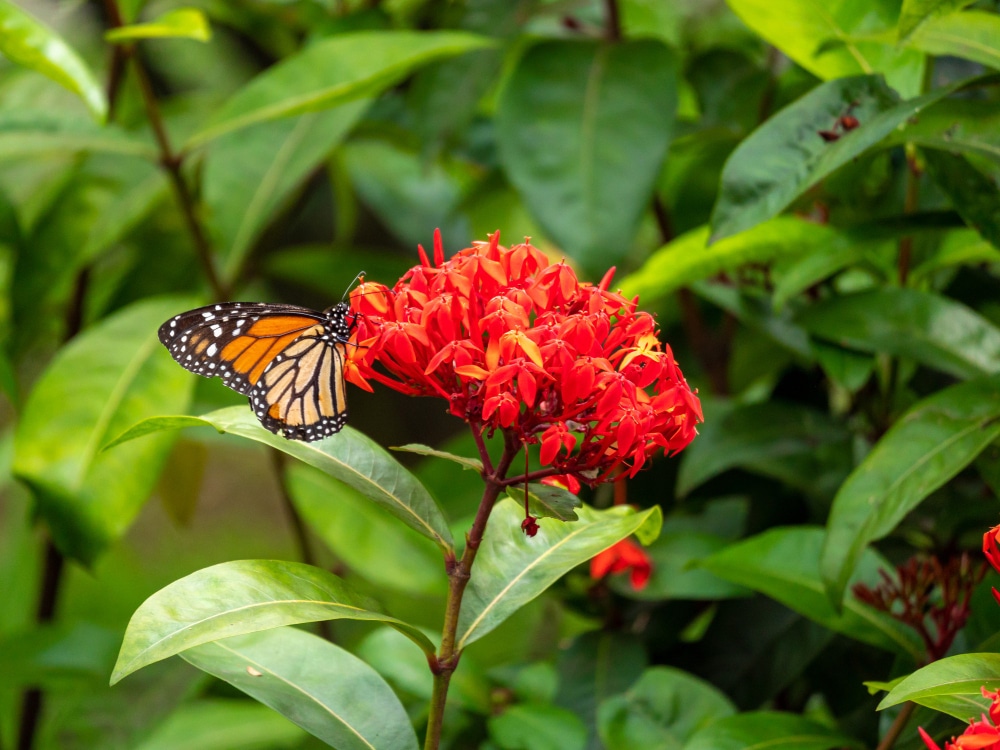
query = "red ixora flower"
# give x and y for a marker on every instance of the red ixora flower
(519, 344)
(991, 548)
(979, 735)
(626, 555)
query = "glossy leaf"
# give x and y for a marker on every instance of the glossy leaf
(663, 709)
(784, 564)
(109, 377)
(951, 684)
(349, 456)
(933, 441)
(28, 42)
(835, 40)
(537, 726)
(690, 258)
(916, 12)
(315, 684)
(545, 501)
(240, 597)
(512, 569)
(769, 730)
(473, 464)
(184, 23)
(334, 71)
(601, 119)
(800, 446)
(968, 126)
(973, 35)
(786, 155)
(251, 173)
(364, 537)
(974, 195)
(33, 132)
(933, 330)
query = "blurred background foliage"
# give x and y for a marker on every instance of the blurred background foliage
(841, 157)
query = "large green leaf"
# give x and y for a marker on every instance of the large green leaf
(769, 730)
(690, 258)
(321, 687)
(512, 569)
(916, 12)
(537, 726)
(931, 329)
(974, 35)
(28, 42)
(784, 564)
(241, 597)
(794, 444)
(251, 172)
(25, 132)
(224, 723)
(108, 378)
(938, 437)
(969, 126)
(786, 155)
(364, 537)
(583, 128)
(334, 71)
(974, 195)
(836, 38)
(663, 709)
(952, 684)
(349, 456)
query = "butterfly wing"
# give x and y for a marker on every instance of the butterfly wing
(235, 341)
(302, 394)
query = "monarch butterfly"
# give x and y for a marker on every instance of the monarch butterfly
(288, 360)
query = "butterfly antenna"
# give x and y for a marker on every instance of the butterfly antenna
(359, 277)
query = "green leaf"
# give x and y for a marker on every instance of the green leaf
(512, 569)
(537, 726)
(28, 42)
(785, 156)
(349, 456)
(251, 173)
(586, 162)
(663, 709)
(769, 730)
(974, 195)
(182, 23)
(224, 723)
(241, 597)
(969, 126)
(834, 39)
(315, 684)
(109, 377)
(784, 564)
(973, 35)
(933, 330)
(800, 446)
(423, 450)
(951, 684)
(916, 12)
(690, 258)
(25, 132)
(937, 438)
(334, 71)
(364, 536)
(958, 247)
(547, 502)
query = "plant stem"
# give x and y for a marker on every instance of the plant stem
(898, 725)
(613, 29)
(459, 572)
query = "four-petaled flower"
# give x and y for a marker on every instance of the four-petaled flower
(624, 556)
(516, 343)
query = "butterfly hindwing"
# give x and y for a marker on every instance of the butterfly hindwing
(288, 360)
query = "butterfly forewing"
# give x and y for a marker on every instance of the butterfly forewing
(289, 360)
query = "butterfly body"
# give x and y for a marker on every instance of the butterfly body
(288, 360)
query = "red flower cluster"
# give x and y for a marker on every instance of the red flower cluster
(991, 548)
(980, 735)
(518, 344)
(622, 557)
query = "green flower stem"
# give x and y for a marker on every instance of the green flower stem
(459, 572)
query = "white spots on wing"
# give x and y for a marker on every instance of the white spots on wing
(212, 349)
